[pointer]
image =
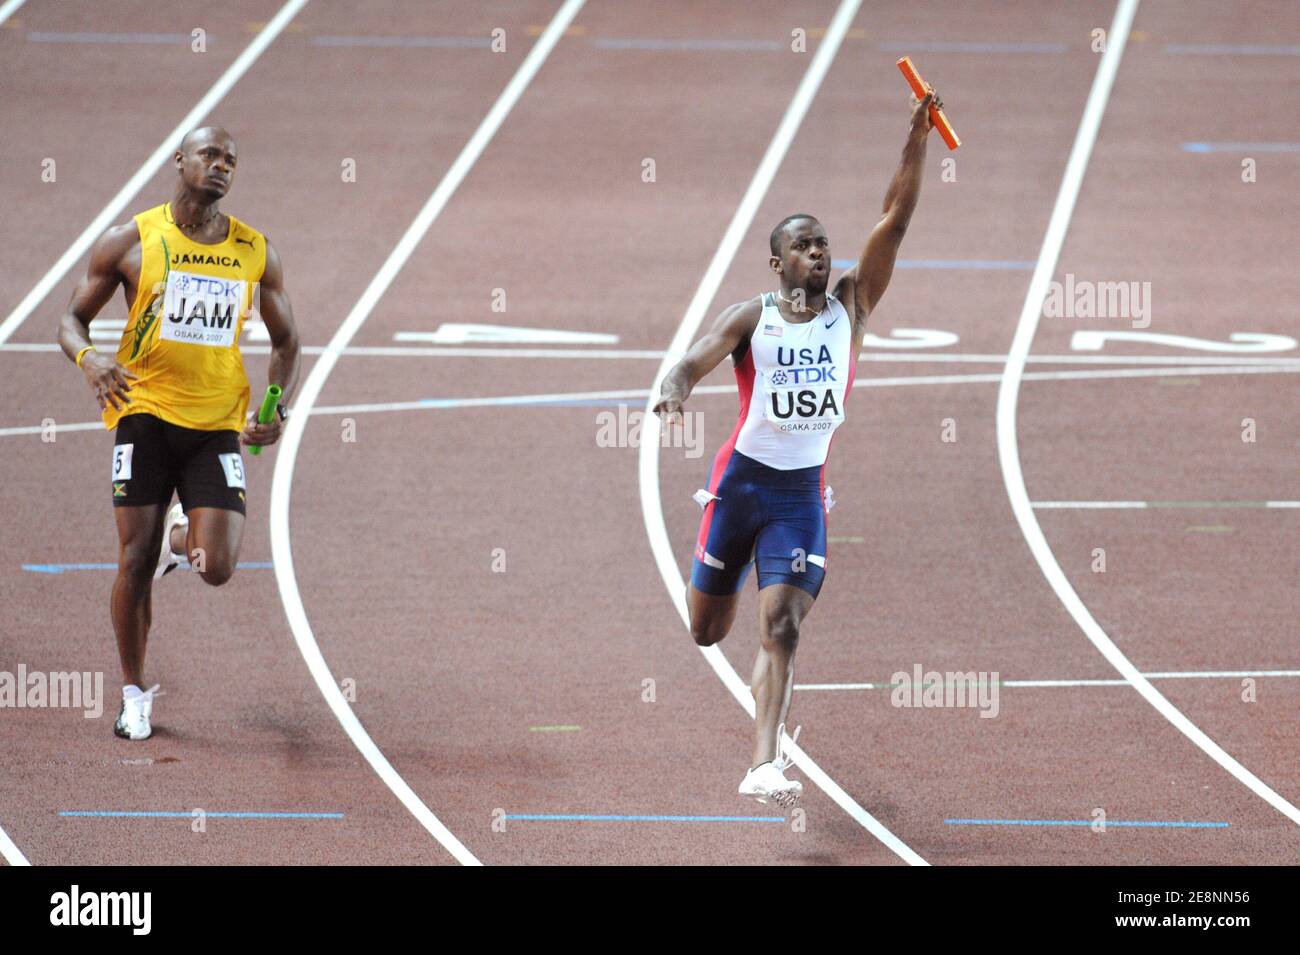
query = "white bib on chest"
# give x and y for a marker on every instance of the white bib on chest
(202, 309)
(801, 374)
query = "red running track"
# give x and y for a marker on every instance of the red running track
(458, 668)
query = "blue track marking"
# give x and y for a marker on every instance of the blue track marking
(1241, 147)
(60, 568)
(588, 403)
(1154, 824)
(164, 814)
(663, 43)
(910, 46)
(532, 401)
(37, 36)
(1233, 49)
(579, 817)
(995, 264)
(442, 42)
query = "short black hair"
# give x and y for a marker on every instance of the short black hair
(774, 240)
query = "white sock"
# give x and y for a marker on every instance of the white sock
(130, 691)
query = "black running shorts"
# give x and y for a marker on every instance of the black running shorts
(152, 458)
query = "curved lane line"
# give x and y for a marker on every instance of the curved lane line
(1008, 447)
(6, 11)
(282, 482)
(651, 505)
(12, 854)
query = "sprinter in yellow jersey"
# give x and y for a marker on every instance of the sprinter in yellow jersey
(176, 390)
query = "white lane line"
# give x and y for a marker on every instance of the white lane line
(6, 11)
(995, 359)
(1139, 505)
(434, 404)
(427, 404)
(108, 215)
(1173, 675)
(282, 481)
(1159, 372)
(12, 854)
(40, 429)
(1008, 448)
(1089, 504)
(415, 351)
(105, 218)
(651, 505)
(624, 354)
(441, 404)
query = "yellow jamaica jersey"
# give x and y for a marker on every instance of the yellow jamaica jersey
(182, 336)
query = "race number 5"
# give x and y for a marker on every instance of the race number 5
(122, 461)
(233, 465)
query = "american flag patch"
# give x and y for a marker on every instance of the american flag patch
(772, 330)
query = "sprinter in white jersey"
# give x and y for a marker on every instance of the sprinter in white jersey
(794, 351)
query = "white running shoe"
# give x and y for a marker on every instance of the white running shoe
(133, 721)
(767, 782)
(167, 560)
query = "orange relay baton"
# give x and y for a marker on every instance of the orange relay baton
(920, 88)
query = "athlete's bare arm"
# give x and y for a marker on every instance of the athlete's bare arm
(107, 379)
(732, 329)
(277, 315)
(860, 288)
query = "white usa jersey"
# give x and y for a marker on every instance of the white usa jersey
(793, 382)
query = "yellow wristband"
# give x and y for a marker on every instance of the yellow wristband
(82, 354)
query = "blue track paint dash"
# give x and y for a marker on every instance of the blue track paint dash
(60, 568)
(1234, 49)
(1017, 265)
(581, 817)
(165, 814)
(1241, 147)
(39, 36)
(1145, 824)
(912, 46)
(668, 43)
(586, 403)
(439, 42)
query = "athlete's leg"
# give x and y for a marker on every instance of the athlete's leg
(723, 553)
(790, 555)
(211, 486)
(139, 534)
(781, 611)
(711, 614)
(213, 543)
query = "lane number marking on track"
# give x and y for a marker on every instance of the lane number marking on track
(1240, 341)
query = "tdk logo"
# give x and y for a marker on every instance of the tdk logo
(804, 376)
